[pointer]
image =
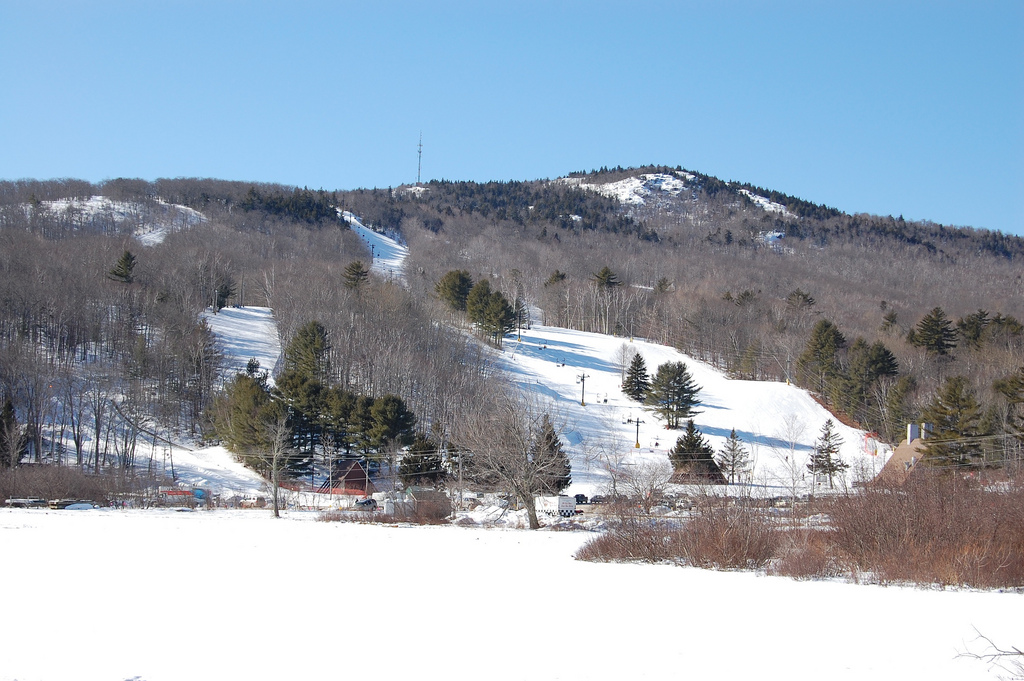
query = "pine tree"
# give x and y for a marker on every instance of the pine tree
(550, 460)
(934, 333)
(453, 288)
(733, 458)
(637, 383)
(690, 446)
(124, 268)
(825, 459)
(392, 422)
(422, 464)
(819, 365)
(498, 318)
(477, 300)
(355, 275)
(673, 393)
(956, 420)
(606, 279)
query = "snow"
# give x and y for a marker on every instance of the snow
(778, 423)
(163, 596)
(388, 255)
(244, 333)
(767, 204)
(151, 223)
(635, 190)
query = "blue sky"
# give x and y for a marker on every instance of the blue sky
(879, 107)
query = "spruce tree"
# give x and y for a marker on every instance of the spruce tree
(733, 458)
(690, 446)
(637, 383)
(825, 459)
(934, 333)
(550, 460)
(673, 393)
(956, 420)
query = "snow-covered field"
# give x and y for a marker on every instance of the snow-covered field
(108, 595)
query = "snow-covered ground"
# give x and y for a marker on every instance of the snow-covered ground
(388, 255)
(636, 190)
(107, 595)
(150, 222)
(244, 333)
(778, 423)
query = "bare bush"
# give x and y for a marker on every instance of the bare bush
(719, 537)
(55, 482)
(944, 530)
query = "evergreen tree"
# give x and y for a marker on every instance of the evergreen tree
(673, 393)
(124, 268)
(422, 464)
(825, 459)
(956, 420)
(972, 329)
(819, 365)
(477, 300)
(800, 301)
(550, 460)
(241, 415)
(1011, 388)
(690, 446)
(308, 353)
(637, 382)
(498, 318)
(12, 438)
(391, 422)
(606, 279)
(733, 459)
(934, 333)
(453, 289)
(355, 275)
(302, 384)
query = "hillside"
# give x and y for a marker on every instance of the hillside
(734, 277)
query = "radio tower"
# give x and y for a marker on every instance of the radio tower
(419, 162)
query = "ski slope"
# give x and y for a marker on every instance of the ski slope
(388, 255)
(778, 423)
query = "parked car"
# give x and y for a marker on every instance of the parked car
(581, 498)
(366, 505)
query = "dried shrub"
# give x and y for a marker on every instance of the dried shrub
(727, 537)
(717, 536)
(60, 482)
(944, 530)
(806, 554)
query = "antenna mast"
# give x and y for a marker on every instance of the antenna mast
(419, 163)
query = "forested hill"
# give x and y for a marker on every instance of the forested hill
(872, 313)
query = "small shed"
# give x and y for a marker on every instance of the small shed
(429, 502)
